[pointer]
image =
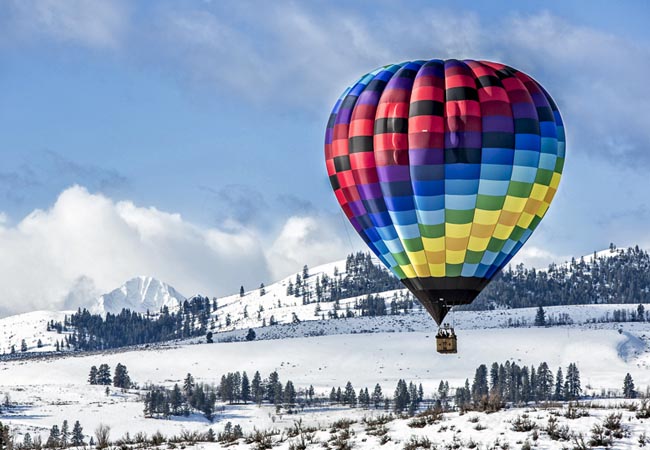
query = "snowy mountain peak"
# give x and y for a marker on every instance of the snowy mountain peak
(140, 295)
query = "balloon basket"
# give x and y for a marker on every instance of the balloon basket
(446, 341)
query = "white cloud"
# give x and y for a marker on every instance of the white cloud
(91, 23)
(87, 244)
(307, 239)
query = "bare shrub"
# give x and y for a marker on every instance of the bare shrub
(103, 436)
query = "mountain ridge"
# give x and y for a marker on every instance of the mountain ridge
(140, 294)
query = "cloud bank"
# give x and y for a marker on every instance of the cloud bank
(87, 244)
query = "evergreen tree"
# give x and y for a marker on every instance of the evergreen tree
(377, 396)
(176, 400)
(241, 291)
(540, 317)
(544, 382)
(256, 388)
(366, 398)
(628, 387)
(92, 377)
(104, 375)
(333, 395)
(250, 336)
(278, 394)
(245, 388)
(121, 378)
(65, 434)
(188, 385)
(413, 399)
(23, 346)
(54, 439)
(401, 397)
(494, 377)
(262, 290)
(209, 337)
(77, 435)
(27, 441)
(274, 379)
(443, 393)
(289, 394)
(480, 385)
(349, 396)
(559, 385)
(640, 313)
(572, 388)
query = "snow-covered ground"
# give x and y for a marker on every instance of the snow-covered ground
(30, 327)
(312, 349)
(49, 390)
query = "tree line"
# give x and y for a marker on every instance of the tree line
(621, 276)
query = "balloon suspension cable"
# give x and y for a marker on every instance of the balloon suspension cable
(345, 227)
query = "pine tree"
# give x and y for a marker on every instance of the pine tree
(245, 388)
(628, 387)
(188, 385)
(289, 394)
(572, 388)
(443, 393)
(241, 291)
(413, 399)
(559, 385)
(349, 396)
(277, 394)
(494, 377)
(92, 377)
(273, 380)
(544, 382)
(333, 395)
(480, 385)
(401, 397)
(27, 441)
(104, 375)
(65, 434)
(121, 378)
(209, 337)
(23, 346)
(54, 439)
(77, 435)
(540, 317)
(377, 396)
(256, 388)
(250, 336)
(176, 400)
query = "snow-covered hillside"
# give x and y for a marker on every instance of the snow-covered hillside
(48, 391)
(273, 303)
(31, 328)
(141, 294)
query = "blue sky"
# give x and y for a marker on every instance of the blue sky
(206, 119)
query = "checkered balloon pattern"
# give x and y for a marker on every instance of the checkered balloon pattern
(445, 168)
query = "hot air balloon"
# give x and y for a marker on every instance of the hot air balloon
(445, 168)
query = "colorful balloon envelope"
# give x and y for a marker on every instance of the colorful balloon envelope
(445, 169)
